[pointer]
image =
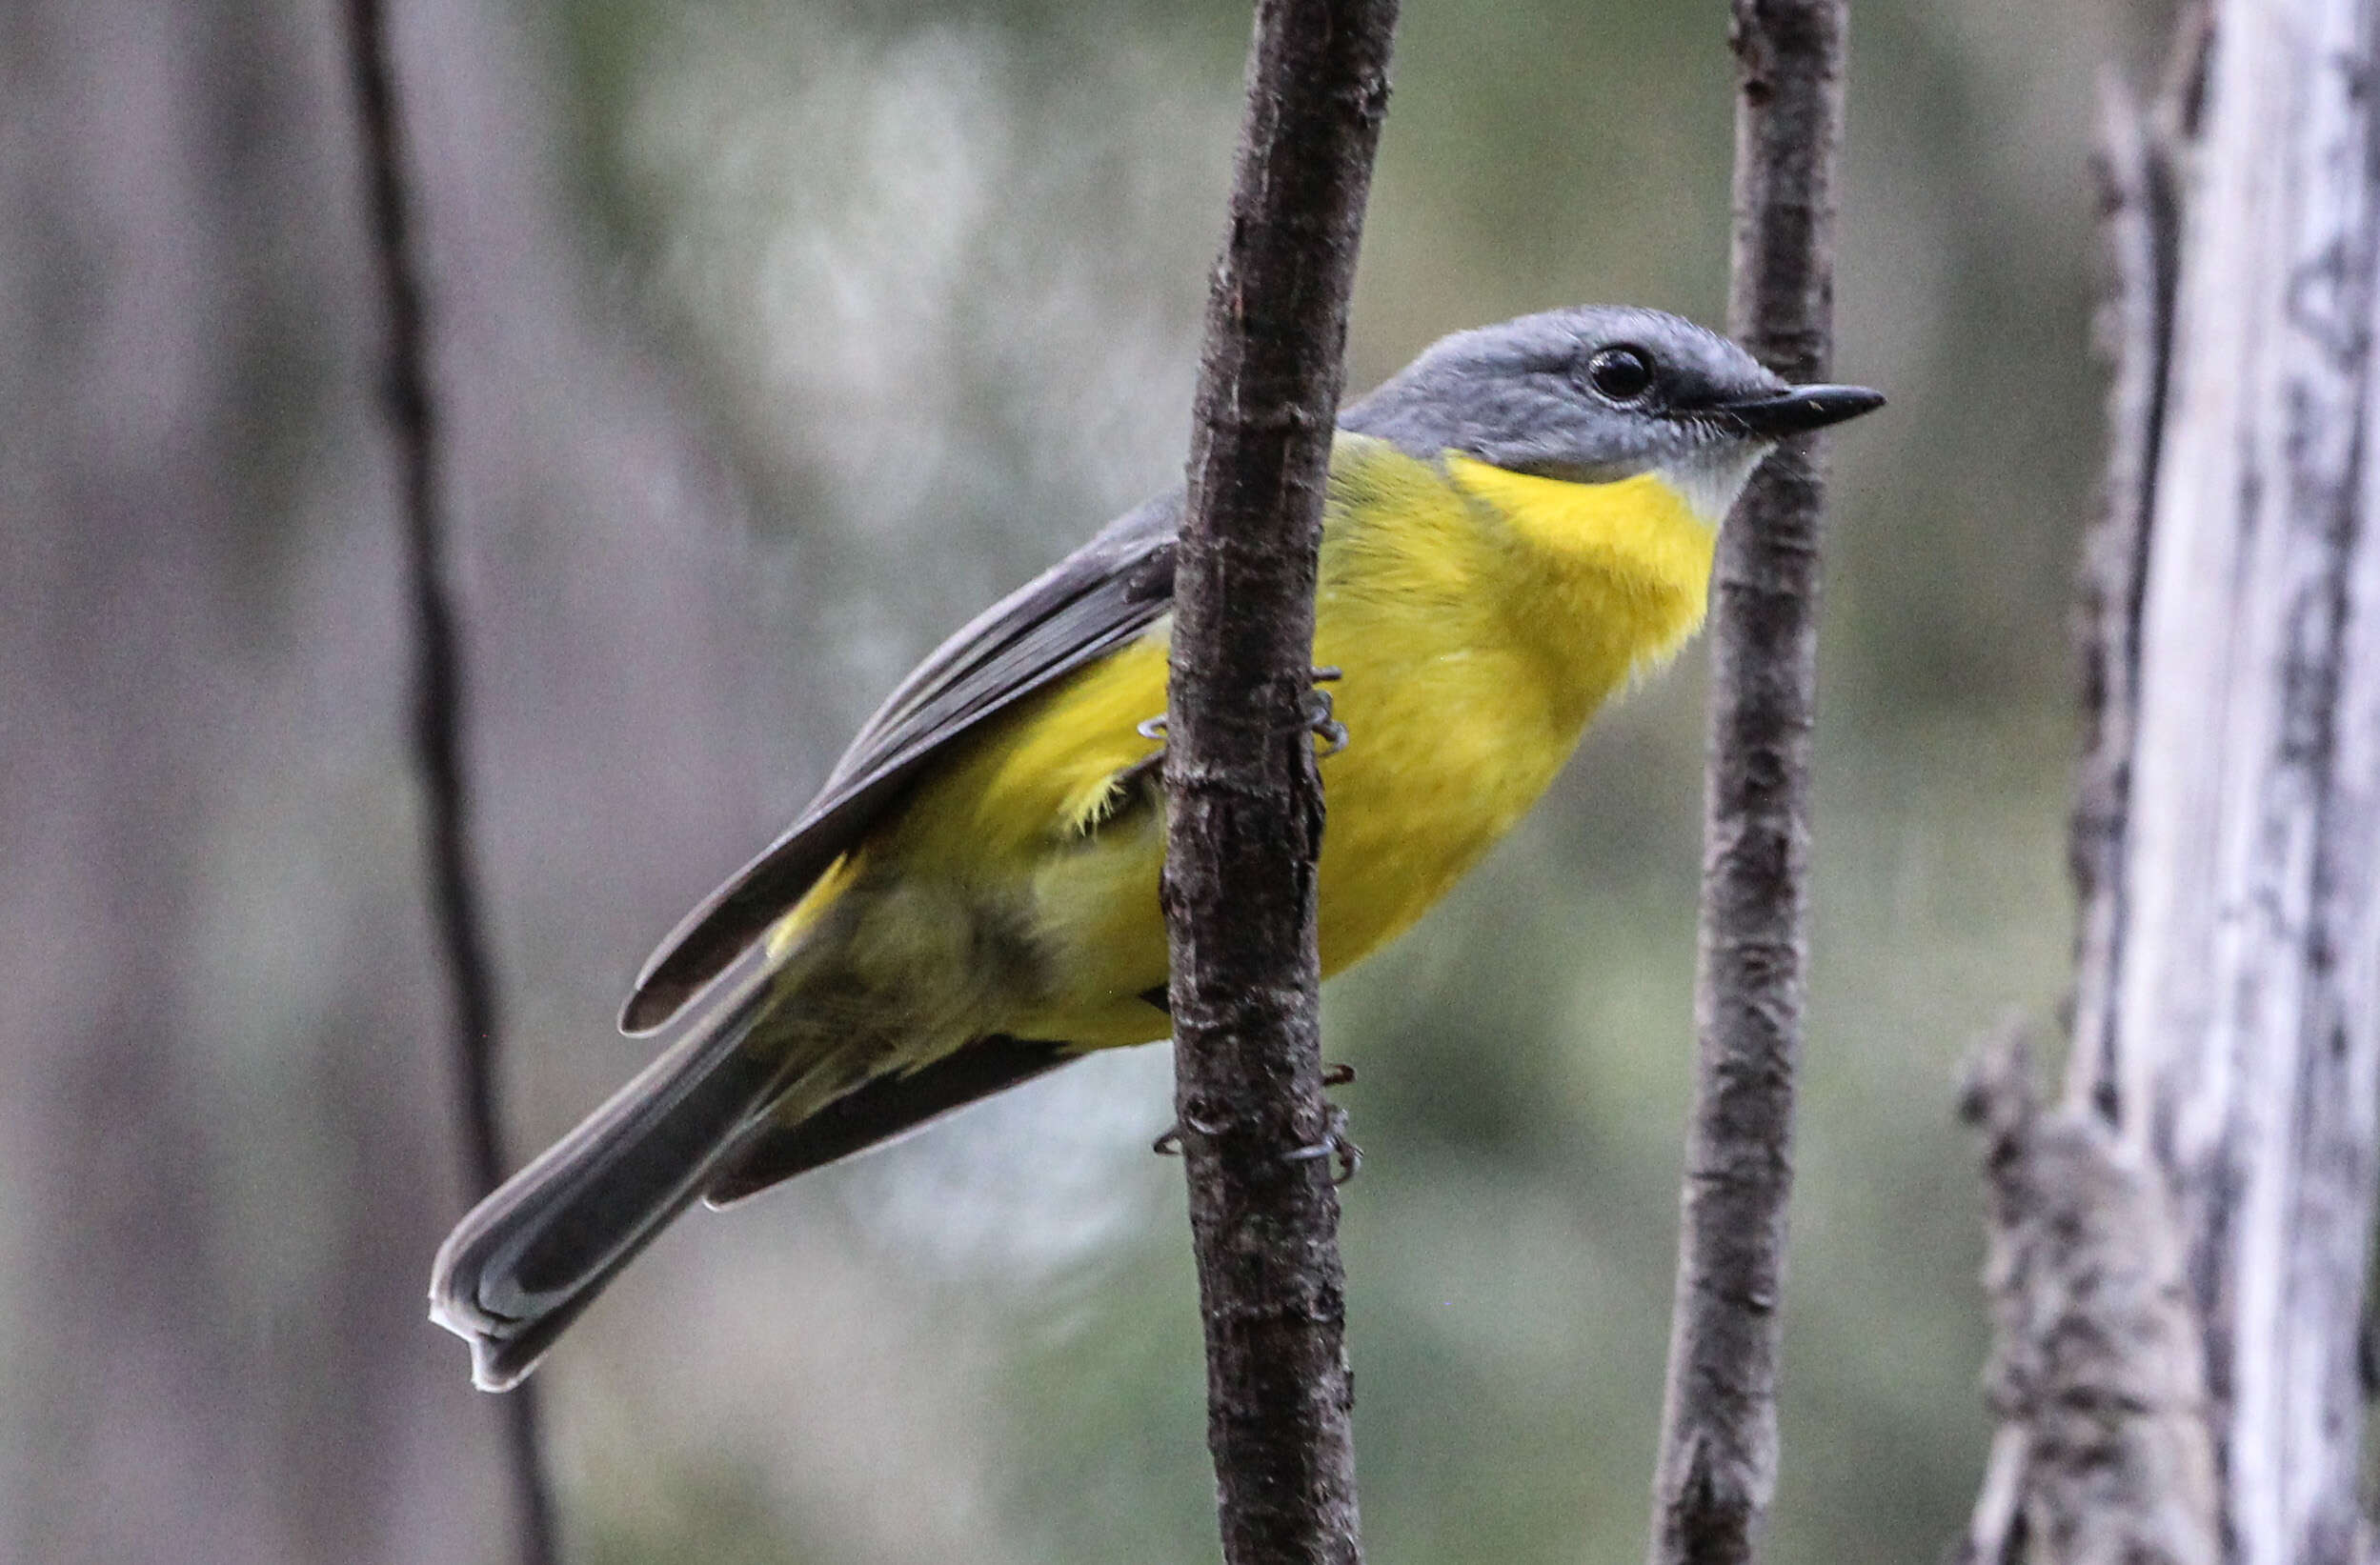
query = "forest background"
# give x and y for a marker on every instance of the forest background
(775, 340)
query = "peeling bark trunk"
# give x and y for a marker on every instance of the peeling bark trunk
(2228, 1020)
(2104, 1455)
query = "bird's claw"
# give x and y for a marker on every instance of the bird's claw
(1169, 1143)
(1335, 1143)
(1318, 719)
(1323, 726)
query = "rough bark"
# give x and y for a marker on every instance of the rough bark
(2103, 1455)
(2098, 1372)
(2246, 1021)
(2140, 227)
(2227, 1016)
(1718, 1460)
(1247, 801)
(438, 690)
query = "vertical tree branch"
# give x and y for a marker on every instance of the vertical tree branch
(2138, 165)
(438, 711)
(2098, 1369)
(2138, 226)
(1718, 1461)
(1246, 814)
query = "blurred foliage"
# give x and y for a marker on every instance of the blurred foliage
(1522, 1057)
(937, 269)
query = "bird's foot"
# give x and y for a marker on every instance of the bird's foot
(1324, 727)
(1169, 1144)
(1319, 721)
(1336, 1143)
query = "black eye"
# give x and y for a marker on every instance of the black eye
(1621, 373)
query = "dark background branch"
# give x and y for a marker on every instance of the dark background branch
(437, 725)
(1718, 1462)
(1247, 801)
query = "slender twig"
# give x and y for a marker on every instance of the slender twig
(438, 692)
(1718, 1460)
(1247, 802)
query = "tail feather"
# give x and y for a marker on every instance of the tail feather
(875, 1113)
(525, 1261)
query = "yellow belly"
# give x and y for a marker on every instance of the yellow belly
(1480, 619)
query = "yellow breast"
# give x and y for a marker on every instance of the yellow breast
(1479, 618)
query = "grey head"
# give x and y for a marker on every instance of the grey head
(1593, 394)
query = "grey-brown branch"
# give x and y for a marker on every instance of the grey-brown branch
(1718, 1458)
(437, 712)
(1246, 816)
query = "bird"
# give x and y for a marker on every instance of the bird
(1516, 525)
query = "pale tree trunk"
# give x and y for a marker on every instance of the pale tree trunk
(2180, 1253)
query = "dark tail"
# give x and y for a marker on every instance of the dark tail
(875, 1113)
(522, 1264)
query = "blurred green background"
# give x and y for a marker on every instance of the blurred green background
(775, 340)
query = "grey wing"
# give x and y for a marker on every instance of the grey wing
(1098, 597)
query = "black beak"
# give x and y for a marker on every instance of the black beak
(1800, 410)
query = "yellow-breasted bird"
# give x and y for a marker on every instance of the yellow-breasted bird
(1516, 524)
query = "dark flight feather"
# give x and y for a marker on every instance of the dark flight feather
(1097, 598)
(878, 1111)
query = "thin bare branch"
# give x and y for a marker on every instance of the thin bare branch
(1718, 1461)
(439, 688)
(1247, 801)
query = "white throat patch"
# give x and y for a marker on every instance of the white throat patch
(1710, 478)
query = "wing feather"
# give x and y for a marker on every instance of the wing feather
(1102, 595)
